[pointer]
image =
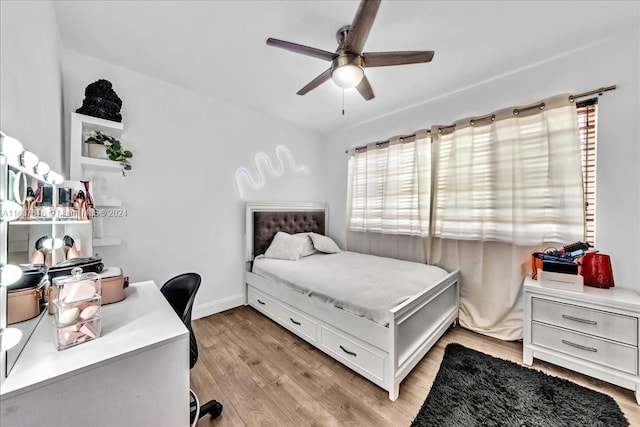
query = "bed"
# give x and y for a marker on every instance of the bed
(381, 332)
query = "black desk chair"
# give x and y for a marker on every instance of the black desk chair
(181, 291)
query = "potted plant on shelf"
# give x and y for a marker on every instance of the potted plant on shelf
(112, 148)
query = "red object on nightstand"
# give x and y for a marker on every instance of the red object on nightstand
(596, 270)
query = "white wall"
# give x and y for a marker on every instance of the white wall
(30, 82)
(184, 210)
(612, 61)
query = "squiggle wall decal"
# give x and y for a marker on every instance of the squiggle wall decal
(263, 163)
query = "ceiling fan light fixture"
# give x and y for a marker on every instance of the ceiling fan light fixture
(349, 61)
(347, 76)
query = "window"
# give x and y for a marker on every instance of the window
(515, 179)
(587, 131)
(390, 187)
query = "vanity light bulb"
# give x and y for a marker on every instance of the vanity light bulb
(10, 337)
(10, 274)
(53, 178)
(29, 160)
(42, 169)
(10, 147)
(57, 179)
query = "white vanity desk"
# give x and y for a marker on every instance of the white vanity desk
(135, 373)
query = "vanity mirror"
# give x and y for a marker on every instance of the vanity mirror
(38, 225)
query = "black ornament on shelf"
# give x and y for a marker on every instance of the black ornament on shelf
(101, 101)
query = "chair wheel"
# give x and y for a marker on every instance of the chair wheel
(213, 408)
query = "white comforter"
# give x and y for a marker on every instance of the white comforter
(366, 285)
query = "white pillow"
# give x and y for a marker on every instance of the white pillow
(324, 244)
(307, 246)
(285, 246)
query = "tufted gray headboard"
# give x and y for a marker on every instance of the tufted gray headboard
(264, 220)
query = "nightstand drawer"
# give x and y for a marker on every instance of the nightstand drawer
(261, 302)
(603, 324)
(607, 353)
(303, 325)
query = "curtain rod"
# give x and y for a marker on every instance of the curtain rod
(599, 91)
(516, 111)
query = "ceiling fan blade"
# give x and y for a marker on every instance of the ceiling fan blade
(315, 82)
(365, 89)
(384, 59)
(362, 22)
(305, 50)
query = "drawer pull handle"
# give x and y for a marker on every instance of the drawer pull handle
(581, 347)
(577, 319)
(294, 322)
(350, 353)
(261, 302)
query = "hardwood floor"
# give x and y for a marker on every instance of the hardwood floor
(266, 376)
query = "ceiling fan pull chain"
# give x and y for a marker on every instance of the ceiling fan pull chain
(343, 102)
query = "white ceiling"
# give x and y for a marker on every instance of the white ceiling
(218, 48)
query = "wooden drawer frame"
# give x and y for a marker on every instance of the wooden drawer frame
(588, 347)
(603, 324)
(262, 303)
(299, 323)
(357, 355)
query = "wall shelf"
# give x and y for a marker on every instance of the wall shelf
(91, 163)
(90, 123)
(83, 167)
(80, 163)
(54, 222)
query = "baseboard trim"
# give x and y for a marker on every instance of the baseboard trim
(217, 306)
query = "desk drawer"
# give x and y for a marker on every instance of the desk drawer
(607, 353)
(345, 349)
(299, 323)
(603, 324)
(261, 302)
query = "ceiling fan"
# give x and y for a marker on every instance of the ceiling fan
(349, 62)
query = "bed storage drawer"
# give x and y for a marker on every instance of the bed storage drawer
(303, 325)
(345, 349)
(605, 352)
(612, 326)
(261, 302)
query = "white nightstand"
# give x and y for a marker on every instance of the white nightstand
(595, 332)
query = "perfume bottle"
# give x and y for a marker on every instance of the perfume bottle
(80, 205)
(27, 206)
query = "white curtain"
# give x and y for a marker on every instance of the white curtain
(515, 179)
(505, 187)
(390, 187)
(409, 248)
